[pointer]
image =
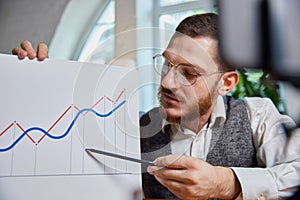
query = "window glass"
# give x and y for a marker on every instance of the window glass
(173, 2)
(101, 36)
(99, 47)
(170, 22)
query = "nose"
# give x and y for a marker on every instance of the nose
(169, 80)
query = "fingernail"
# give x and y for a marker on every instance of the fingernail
(21, 54)
(41, 57)
(31, 55)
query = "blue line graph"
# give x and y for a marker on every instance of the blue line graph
(68, 129)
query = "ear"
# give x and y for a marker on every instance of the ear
(228, 81)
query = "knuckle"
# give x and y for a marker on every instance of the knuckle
(191, 177)
(189, 191)
(43, 46)
(25, 44)
(14, 51)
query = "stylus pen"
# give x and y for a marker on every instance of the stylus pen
(147, 162)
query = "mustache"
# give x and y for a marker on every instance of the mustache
(169, 92)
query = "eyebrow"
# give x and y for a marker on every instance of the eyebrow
(188, 63)
(164, 54)
(197, 67)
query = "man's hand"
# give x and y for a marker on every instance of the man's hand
(192, 178)
(26, 50)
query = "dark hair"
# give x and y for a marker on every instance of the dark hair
(204, 25)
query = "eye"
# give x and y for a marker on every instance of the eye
(187, 71)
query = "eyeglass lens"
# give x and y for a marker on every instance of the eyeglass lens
(185, 74)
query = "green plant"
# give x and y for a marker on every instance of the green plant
(257, 83)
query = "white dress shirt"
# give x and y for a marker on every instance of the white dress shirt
(278, 156)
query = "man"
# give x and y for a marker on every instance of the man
(205, 144)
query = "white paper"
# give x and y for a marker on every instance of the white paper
(49, 112)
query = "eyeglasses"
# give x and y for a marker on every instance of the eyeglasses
(186, 74)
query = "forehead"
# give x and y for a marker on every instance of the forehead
(196, 51)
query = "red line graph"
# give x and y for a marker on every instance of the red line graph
(109, 99)
(60, 117)
(22, 129)
(7, 129)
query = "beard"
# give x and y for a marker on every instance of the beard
(192, 111)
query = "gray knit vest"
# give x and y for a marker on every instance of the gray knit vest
(231, 144)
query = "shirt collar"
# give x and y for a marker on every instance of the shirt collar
(165, 123)
(218, 115)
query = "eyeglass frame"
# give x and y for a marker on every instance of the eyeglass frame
(197, 75)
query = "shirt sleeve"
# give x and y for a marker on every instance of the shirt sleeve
(278, 172)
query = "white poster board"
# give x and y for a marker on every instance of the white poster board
(50, 112)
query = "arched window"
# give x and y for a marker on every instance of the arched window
(166, 14)
(96, 44)
(99, 46)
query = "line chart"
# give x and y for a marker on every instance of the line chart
(83, 111)
(15, 126)
(50, 112)
(25, 132)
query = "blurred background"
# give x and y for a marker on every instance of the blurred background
(125, 33)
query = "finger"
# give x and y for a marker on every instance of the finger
(27, 46)
(19, 52)
(152, 169)
(170, 174)
(173, 161)
(42, 51)
(170, 182)
(182, 190)
(178, 175)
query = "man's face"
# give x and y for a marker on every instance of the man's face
(189, 102)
